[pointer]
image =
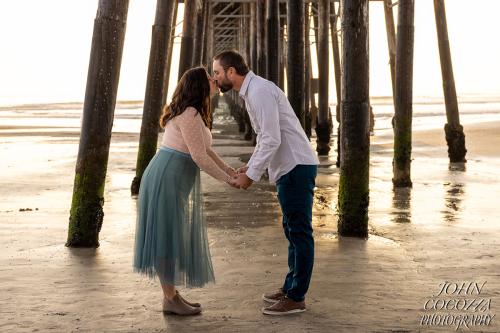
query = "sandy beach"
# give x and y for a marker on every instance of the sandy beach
(443, 230)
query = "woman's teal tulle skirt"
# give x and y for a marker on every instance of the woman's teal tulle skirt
(171, 239)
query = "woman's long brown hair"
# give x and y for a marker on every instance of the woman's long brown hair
(193, 90)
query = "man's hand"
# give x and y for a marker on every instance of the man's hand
(242, 169)
(241, 181)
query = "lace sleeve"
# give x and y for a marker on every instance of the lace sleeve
(220, 162)
(191, 128)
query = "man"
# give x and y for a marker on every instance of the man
(282, 148)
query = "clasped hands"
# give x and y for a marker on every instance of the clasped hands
(239, 179)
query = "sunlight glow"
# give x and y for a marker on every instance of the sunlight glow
(45, 48)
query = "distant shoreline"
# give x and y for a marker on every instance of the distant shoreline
(66, 106)
(375, 100)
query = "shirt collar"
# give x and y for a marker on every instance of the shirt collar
(246, 82)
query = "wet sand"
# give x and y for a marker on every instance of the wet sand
(482, 139)
(444, 229)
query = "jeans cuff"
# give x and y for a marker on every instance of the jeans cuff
(294, 298)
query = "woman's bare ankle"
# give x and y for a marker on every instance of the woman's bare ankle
(169, 291)
(169, 297)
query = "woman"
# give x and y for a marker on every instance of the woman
(171, 240)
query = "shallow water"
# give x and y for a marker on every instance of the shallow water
(47, 138)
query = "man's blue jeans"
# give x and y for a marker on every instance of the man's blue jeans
(295, 195)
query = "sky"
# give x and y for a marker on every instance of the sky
(45, 49)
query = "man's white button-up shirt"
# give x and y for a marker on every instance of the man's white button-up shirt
(282, 143)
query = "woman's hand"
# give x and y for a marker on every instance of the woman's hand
(242, 169)
(232, 172)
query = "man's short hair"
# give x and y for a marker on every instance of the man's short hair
(232, 59)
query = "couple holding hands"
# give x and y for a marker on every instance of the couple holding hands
(171, 239)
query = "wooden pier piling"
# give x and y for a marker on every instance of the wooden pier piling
(188, 35)
(86, 213)
(355, 140)
(324, 120)
(455, 137)
(273, 37)
(160, 41)
(295, 57)
(402, 122)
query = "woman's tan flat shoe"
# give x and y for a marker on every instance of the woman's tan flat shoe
(178, 307)
(196, 305)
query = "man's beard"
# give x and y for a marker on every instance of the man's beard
(225, 86)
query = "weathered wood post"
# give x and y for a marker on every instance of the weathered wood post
(198, 40)
(336, 58)
(337, 70)
(206, 17)
(253, 38)
(404, 95)
(324, 120)
(246, 11)
(154, 89)
(273, 37)
(261, 38)
(314, 84)
(210, 39)
(354, 121)
(282, 46)
(166, 78)
(244, 32)
(86, 213)
(315, 15)
(307, 71)
(240, 37)
(391, 43)
(295, 59)
(455, 137)
(188, 33)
